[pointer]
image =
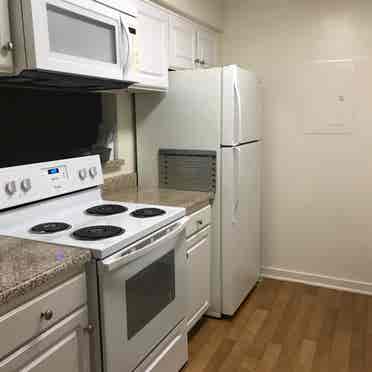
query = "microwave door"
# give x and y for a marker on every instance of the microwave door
(51, 29)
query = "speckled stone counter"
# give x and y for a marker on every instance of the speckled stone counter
(191, 200)
(27, 265)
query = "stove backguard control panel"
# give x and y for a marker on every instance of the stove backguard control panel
(33, 182)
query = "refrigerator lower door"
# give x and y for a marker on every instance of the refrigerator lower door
(241, 106)
(240, 223)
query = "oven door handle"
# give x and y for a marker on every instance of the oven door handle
(140, 248)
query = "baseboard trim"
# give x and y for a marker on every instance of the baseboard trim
(317, 280)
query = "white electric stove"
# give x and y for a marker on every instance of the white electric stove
(137, 277)
(104, 226)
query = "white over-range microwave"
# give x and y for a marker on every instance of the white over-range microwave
(87, 44)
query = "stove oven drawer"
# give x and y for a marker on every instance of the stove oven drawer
(34, 317)
(171, 355)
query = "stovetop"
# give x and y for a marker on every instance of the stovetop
(74, 213)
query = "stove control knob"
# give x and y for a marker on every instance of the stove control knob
(10, 188)
(93, 171)
(83, 174)
(26, 185)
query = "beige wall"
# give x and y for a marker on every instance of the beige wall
(205, 11)
(118, 113)
(317, 189)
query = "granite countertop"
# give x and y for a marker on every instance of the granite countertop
(26, 265)
(191, 200)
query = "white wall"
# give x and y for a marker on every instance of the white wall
(317, 189)
(205, 11)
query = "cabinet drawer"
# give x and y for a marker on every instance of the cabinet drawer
(198, 221)
(27, 322)
(62, 348)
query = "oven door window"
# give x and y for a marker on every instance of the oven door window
(149, 292)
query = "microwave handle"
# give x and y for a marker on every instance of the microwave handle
(119, 260)
(125, 35)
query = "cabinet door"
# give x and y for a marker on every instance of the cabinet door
(182, 44)
(6, 57)
(198, 261)
(65, 347)
(207, 48)
(153, 46)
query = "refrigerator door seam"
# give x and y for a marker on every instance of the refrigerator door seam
(240, 144)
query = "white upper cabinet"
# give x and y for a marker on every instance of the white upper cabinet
(207, 42)
(182, 43)
(191, 46)
(153, 41)
(6, 57)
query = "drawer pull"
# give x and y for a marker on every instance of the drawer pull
(47, 315)
(89, 328)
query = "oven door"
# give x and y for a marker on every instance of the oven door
(75, 37)
(142, 296)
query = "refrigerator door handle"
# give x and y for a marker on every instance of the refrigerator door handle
(236, 183)
(238, 112)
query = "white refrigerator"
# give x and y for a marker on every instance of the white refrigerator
(216, 109)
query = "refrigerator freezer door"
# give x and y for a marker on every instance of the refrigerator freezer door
(241, 106)
(240, 223)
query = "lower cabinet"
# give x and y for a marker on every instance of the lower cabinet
(64, 347)
(49, 333)
(198, 272)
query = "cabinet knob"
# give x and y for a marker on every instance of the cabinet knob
(9, 46)
(202, 63)
(200, 222)
(47, 315)
(197, 61)
(89, 328)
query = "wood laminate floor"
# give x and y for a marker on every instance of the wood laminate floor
(287, 327)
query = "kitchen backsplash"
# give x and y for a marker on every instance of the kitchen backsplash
(119, 183)
(40, 125)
